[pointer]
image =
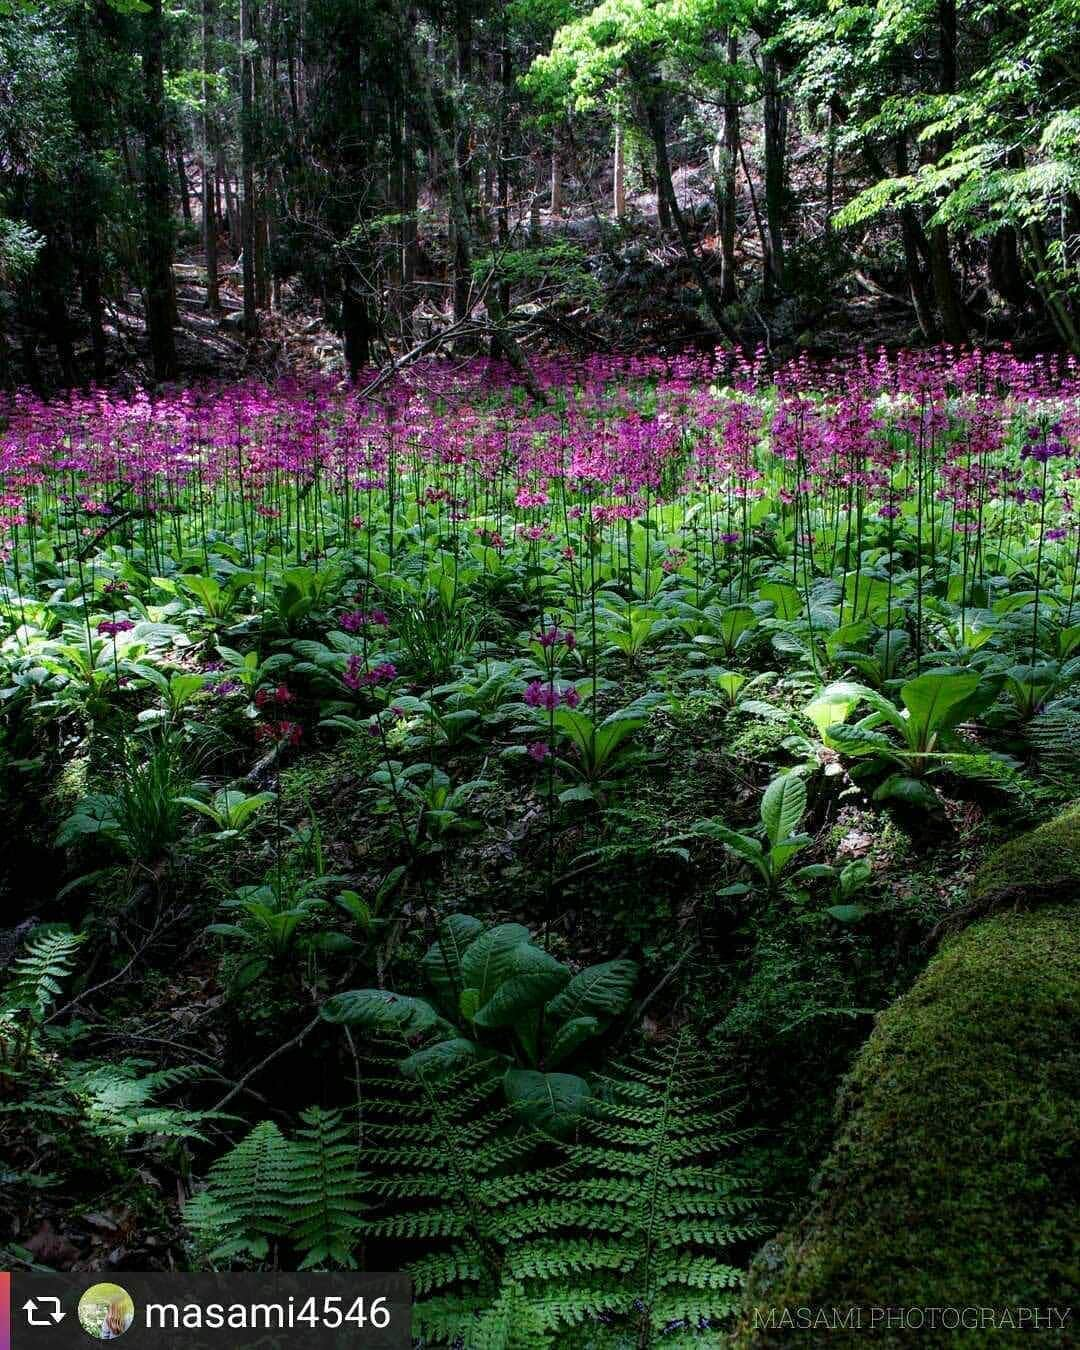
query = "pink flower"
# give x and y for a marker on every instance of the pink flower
(539, 750)
(112, 627)
(356, 677)
(539, 694)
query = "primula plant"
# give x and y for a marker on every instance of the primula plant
(498, 997)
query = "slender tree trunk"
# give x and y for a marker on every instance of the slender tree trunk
(247, 152)
(727, 180)
(183, 185)
(916, 248)
(618, 176)
(160, 295)
(953, 322)
(556, 207)
(657, 118)
(209, 209)
(459, 208)
(462, 264)
(258, 112)
(775, 121)
(506, 83)
(830, 165)
(88, 116)
(666, 191)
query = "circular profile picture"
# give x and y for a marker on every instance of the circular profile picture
(106, 1311)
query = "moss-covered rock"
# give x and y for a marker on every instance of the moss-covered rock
(1038, 861)
(953, 1181)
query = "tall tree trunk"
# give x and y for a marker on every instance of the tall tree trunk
(459, 208)
(666, 192)
(556, 207)
(657, 119)
(775, 123)
(88, 115)
(953, 322)
(506, 83)
(618, 175)
(184, 187)
(209, 193)
(916, 248)
(727, 179)
(247, 153)
(830, 165)
(258, 111)
(160, 294)
(1006, 275)
(462, 262)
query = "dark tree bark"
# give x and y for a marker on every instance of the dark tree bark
(916, 249)
(666, 191)
(183, 186)
(728, 197)
(247, 168)
(506, 82)
(88, 116)
(462, 262)
(953, 323)
(160, 295)
(209, 190)
(775, 125)
(459, 210)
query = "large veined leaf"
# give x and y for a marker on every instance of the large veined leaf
(547, 1101)
(381, 1010)
(786, 600)
(487, 960)
(782, 807)
(912, 791)
(936, 701)
(857, 740)
(533, 976)
(601, 990)
(735, 621)
(444, 1057)
(744, 845)
(569, 1036)
(442, 962)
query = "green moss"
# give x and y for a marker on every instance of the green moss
(952, 1181)
(1043, 857)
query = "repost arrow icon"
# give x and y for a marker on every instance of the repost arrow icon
(30, 1307)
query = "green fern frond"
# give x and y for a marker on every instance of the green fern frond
(39, 973)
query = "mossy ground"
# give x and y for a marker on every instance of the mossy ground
(952, 1181)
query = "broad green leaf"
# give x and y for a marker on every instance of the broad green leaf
(550, 1102)
(381, 1010)
(903, 788)
(934, 701)
(569, 1036)
(444, 1057)
(783, 806)
(487, 960)
(847, 913)
(533, 976)
(786, 600)
(442, 962)
(603, 990)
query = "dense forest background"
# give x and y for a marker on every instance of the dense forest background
(196, 186)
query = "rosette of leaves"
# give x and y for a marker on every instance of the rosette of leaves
(913, 740)
(498, 998)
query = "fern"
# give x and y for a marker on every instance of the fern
(40, 972)
(1055, 738)
(244, 1204)
(305, 1191)
(610, 1240)
(326, 1198)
